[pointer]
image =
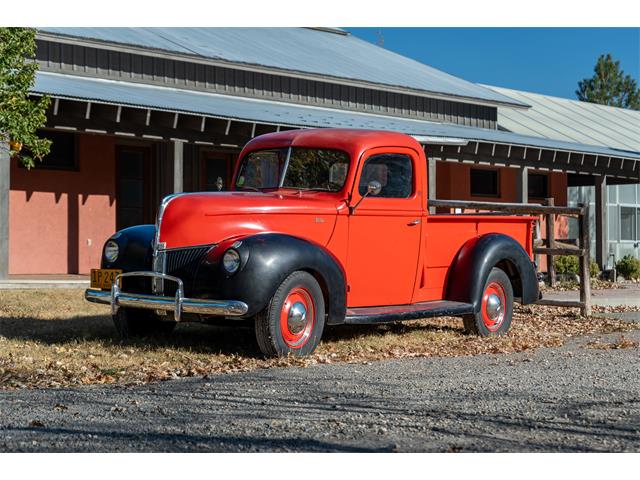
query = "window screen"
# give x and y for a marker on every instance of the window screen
(484, 182)
(393, 171)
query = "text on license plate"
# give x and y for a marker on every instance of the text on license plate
(103, 278)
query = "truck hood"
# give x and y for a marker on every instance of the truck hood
(205, 218)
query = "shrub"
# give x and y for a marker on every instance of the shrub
(570, 264)
(567, 264)
(629, 267)
(594, 269)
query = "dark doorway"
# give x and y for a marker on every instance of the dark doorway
(216, 166)
(133, 191)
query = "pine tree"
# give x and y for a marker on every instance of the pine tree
(609, 85)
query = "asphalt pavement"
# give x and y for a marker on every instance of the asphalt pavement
(573, 399)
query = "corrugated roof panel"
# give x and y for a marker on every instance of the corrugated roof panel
(571, 120)
(278, 113)
(579, 124)
(297, 50)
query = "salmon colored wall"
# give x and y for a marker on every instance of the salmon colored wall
(60, 219)
(453, 183)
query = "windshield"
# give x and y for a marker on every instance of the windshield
(295, 168)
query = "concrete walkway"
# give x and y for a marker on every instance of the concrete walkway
(15, 282)
(628, 296)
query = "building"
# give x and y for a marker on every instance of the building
(575, 121)
(138, 113)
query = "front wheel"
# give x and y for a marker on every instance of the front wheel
(496, 307)
(293, 322)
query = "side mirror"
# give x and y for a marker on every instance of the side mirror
(374, 188)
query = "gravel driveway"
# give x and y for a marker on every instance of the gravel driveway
(567, 399)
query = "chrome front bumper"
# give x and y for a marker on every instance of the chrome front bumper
(177, 304)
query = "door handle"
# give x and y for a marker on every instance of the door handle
(414, 222)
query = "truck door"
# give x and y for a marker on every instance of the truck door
(385, 229)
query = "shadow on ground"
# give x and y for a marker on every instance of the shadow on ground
(198, 337)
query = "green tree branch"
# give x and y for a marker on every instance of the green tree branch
(609, 85)
(21, 116)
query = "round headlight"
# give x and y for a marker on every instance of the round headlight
(231, 261)
(111, 251)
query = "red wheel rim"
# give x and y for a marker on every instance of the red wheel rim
(493, 306)
(297, 317)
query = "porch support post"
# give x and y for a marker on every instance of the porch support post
(4, 207)
(602, 233)
(522, 185)
(178, 166)
(431, 182)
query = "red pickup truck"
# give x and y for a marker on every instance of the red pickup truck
(322, 227)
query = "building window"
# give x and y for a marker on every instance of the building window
(485, 182)
(627, 194)
(62, 155)
(613, 221)
(538, 185)
(628, 223)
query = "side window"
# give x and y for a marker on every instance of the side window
(394, 171)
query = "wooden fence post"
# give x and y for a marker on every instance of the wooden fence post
(585, 259)
(551, 243)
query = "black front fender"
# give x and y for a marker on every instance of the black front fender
(476, 259)
(266, 260)
(136, 249)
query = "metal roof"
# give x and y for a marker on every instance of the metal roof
(319, 52)
(285, 114)
(571, 120)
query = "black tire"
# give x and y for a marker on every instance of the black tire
(482, 323)
(298, 288)
(133, 322)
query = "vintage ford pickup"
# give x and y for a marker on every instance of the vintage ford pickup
(322, 227)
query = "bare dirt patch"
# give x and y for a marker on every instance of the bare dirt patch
(53, 338)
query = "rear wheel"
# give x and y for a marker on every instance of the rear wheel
(293, 322)
(133, 322)
(496, 307)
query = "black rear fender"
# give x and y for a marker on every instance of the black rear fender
(475, 260)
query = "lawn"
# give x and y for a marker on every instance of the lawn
(53, 338)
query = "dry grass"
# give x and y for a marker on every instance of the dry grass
(52, 338)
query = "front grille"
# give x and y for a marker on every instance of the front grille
(184, 262)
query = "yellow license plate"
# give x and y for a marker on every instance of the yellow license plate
(103, 278)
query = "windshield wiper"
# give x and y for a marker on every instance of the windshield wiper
(312, 189)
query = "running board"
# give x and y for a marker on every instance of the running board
(396, 313)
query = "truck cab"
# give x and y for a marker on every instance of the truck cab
(322, 226)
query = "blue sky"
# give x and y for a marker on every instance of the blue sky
(542, 60)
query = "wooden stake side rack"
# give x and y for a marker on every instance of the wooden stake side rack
(552, 246)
